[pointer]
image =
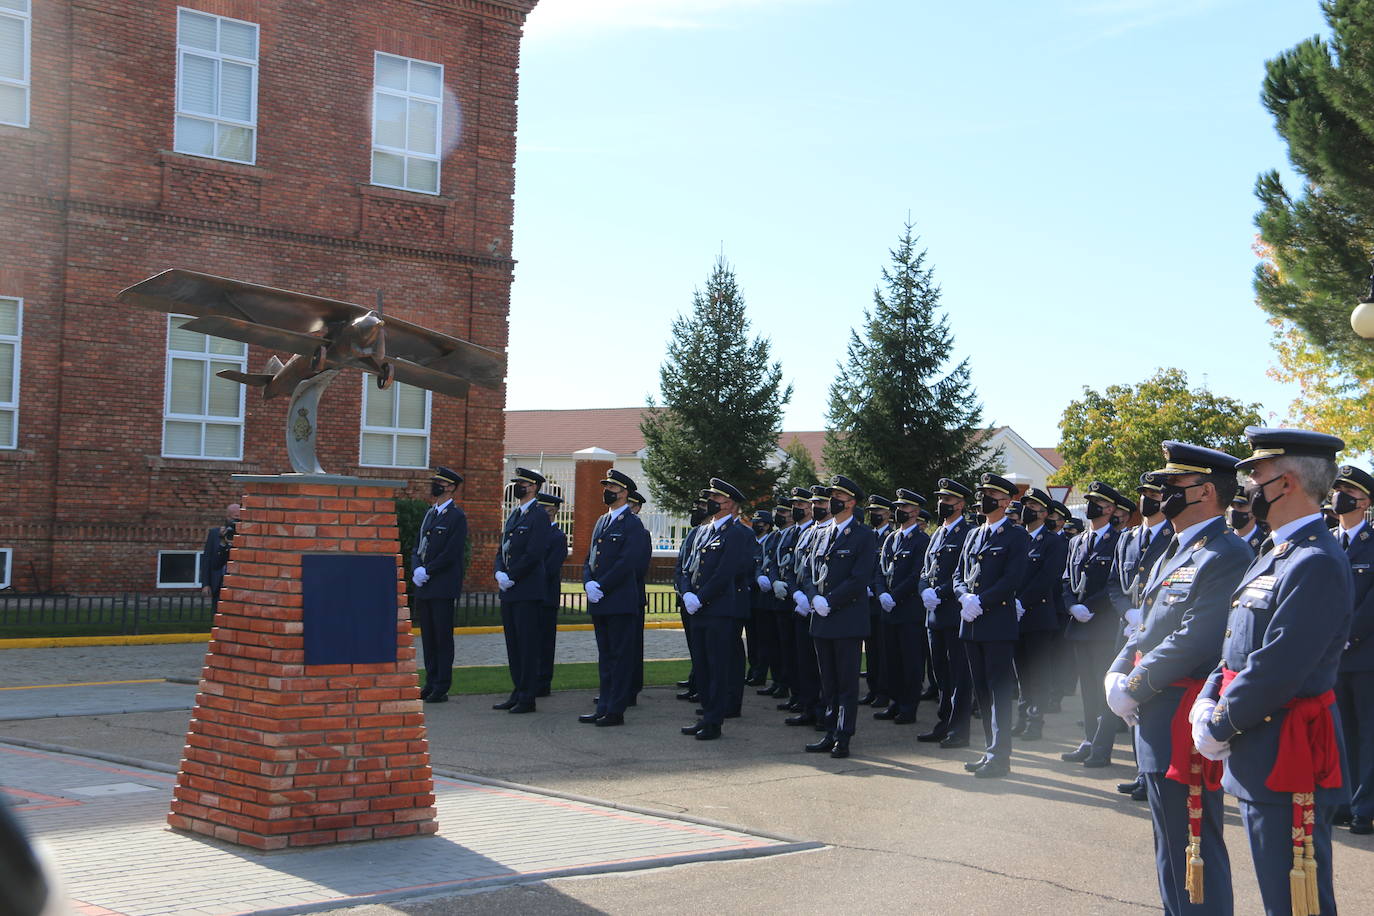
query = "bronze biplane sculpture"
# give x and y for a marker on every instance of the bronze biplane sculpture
(323, 336)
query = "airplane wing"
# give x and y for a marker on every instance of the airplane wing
(259, 335)
(441, 354)
(186, 292)
(421, 377)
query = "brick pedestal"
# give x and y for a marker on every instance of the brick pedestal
(283, 752)
(590, 466)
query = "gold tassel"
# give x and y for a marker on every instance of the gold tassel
(1309, 859)
(1194, 872)
(1297, 881)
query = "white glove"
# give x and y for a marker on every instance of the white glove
(1081, 613)
(803, 603)
(1133, 616)
(930, 599)
(780, 590)
(419, 576)
(504, 581)
(1118, 700)
(1206, 745)
(972, 607)
(1202, 709)
(1128, 631)
(868, 592)
(764, 583)
(887, 601)
(691, 602)
(594, 592)
(821, 606)
(1020, 610)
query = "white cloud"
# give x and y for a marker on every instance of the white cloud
(556, 18)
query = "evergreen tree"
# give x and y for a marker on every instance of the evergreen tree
(898, 417)
(721, 405)
(801, 468)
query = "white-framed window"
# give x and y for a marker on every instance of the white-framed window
(178, 569)
(407, 123)
(16, 25)
(202, 413)
(6, 564)
(395, 430)
(217, 87)
(11, 323)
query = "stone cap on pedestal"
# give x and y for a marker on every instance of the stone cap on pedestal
(338, 480)
(593, 454)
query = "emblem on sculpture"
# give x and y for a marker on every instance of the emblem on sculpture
(302, 428)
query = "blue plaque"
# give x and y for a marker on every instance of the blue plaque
(349, 604)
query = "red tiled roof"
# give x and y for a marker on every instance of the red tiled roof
(562, 432)
(813, 440)
(1052, 456)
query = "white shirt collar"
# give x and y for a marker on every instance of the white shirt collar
(1282, 534)
(525, 506)
(1033, 532)
(719, 523)
(908, 529)
(840, 526)
(803, 525)
(992, 528)
(1154, 529)
(1351, 532)
(954, 520)
(442, 506)
(615, 513)
(1189, 534)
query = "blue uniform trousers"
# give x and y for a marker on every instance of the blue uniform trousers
(875, 653)
(838, 663)
(956, 685)
(1169, 812)
(615, 650)
(785, 658)
(637, 675)
(548, 643)
(807, 690)
(1355, 696)
(687, 622)
(434, 617)
(992, 668)
(1271, 846)
(719, 664)
(524, 638)
(1092, 658)
(1033, 667)
(762, 637)
(904, 651)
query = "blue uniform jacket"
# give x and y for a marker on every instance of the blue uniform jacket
(1043, 583)
(686, 557)
(904, 555)
(992, 566)
(555, 555)
(787, 558)
(1186, 605)
(1087, 582)
(763, 566)
(613, 562)
(942, 559)
(1289, 621)
(843, 576)
(807, 555)
(445, 536)
(1360, 655)
(1133, 565)
(524, 540)
(646, 555)
(725, 565)
(1255, 539)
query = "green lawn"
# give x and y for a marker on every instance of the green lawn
(576, 587)
(571, 676)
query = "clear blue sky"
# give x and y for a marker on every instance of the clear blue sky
(1079, 171)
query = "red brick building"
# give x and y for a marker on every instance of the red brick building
(339, 149)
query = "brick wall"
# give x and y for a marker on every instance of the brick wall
(94, 200)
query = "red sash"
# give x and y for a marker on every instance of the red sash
(1186, 765)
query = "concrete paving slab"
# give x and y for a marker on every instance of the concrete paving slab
(59, 700)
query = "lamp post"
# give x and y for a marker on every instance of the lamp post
(1362, 318)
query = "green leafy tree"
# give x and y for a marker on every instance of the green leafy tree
(1315, 244)
(721, 406)
(899, 415)
(1116, 435)
(801, 468)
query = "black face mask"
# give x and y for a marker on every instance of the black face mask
(903, 518)
(1095, 510)
(1176, 499)
(798, 515)
(608, 497)
(779, 519)
(760, 529)
(979, 518)
(820, 513)
(837, 505)
(436, 488)
(697, 516)
(877, 519)
(988, 504)
(1052, 524)
(519, 490)
(1260, 503)
(1029, 516)
(1343, 502)
(945, 510)
(712, 508)
(1238, 519)
(1149, 506)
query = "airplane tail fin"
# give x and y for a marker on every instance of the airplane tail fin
(245, 378)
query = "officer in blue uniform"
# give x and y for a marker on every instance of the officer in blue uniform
(437, 573)
(520, 577)
(844, 567)
(1242, 522)
(879, 517)
(1152, 684)
(555, 555)
(610, 576)
(904, 637)
(1269, 710)
(646, 554)
(811, 708)
(942, 616)
(1063, 675)
(1094, 630)
(991, 568)
(1355, 680)
(719, 604)
(682, 583)
(801, 681)
(760, 633)
(781, 614)
(1037, 609)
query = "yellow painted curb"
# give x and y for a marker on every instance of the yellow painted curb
(152, 680)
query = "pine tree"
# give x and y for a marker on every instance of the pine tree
(721, 406)
(801, 468)
(897, 418)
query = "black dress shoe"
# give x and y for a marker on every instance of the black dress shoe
(1342, 818)
(1018, 729)
(1140, 794)
(768, 691)
(609, 719)
(949, 741)
(754, 682)
(791, 706)
(543, 692)
(1078, 756)
(589, 718)
(931, 694)
(881, 701)
(437, 698)
(867, 699)
(424, 692)
(684, 683)
(904, 718)
(841, 749)
(931, 737)
(521, 708)
(1034, 731)
(506, 705)
(708, 733)
(884, 715)
(970, 767)
(823, 746)
(804, 718)
(1126, 788)
(692, 729)
(1097, 763)
(690, 696)
(1360, 826)
(992, 770)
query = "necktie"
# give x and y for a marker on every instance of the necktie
(1267, 546)
(1173, 549)
(1145, 541)
(421, 547)
(1345, 540)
